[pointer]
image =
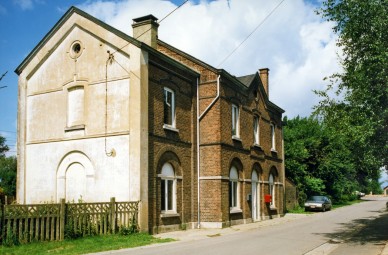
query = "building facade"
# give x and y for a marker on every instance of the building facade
(102, 114)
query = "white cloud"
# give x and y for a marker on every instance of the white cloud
(24, 4)
(293, 42)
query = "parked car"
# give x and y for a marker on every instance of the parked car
(319, 203)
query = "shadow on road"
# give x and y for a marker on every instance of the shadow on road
(362, 231)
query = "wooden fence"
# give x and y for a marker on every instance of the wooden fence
(49, 222)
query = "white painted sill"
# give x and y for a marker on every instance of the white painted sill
(169, 214)
(236, 138)
(171, 128)
(235, 210)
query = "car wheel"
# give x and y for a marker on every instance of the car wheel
(323, 209)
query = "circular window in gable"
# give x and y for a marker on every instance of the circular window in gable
(76, 49)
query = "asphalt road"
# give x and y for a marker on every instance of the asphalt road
(357, 229)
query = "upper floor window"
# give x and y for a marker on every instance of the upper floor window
(256, 130)
(168, 189)
(273, 138)
(233, 189)
(75, 106)
(235, 121)
(169, 107)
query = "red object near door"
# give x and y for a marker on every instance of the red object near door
(267, 198)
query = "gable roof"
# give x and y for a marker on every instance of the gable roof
(74, 10)
(244, 82)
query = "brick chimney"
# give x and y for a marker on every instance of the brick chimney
(145, 29)
(264, 78)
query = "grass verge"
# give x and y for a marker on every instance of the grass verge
(342, 204)
(84, 245)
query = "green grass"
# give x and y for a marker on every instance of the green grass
(84, 245)
(342, 204)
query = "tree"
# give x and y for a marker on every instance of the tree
(7, 171)
(361, 113)
(3, 147)
(8, 175)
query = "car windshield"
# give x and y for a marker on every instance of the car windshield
(316, 198)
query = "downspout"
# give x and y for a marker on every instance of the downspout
(284, 173)
(199, 117)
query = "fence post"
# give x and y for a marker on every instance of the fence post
(62, 216)
(113, 214)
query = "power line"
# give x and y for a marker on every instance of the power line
(254, 30)
(150, 28)
(8, 131)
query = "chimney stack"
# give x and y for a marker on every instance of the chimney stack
(145, 29)
(264, 79)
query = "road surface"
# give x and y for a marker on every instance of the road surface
(358, 229)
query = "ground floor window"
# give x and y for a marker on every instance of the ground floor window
(272, 189)
(168, 189)
(233, 189)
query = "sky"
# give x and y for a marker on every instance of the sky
(287, 37)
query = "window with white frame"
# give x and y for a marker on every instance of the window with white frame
(256, 130)
(271, 183)
(75, 106)
(169, 107)
(273, 138)
(235, 121)
(168, 189)
(233, 189)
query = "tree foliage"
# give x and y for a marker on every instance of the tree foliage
(8, 175)
(360, 116)
(3, 147)
(7, 170)
(317, 159)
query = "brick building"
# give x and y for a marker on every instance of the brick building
(103, 114)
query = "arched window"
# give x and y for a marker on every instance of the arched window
(272, 189)
(233, 189)
(168, 189)
(255, 196)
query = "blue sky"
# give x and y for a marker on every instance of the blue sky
(298, 47)
(23, 23)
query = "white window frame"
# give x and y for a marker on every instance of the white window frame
(273, 137)
(172, 107)
(234, 190)
(168, 175)
(235, 121)
(256, 130)
(272, 190)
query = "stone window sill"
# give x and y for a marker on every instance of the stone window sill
(235, 210)
(75, 128)
(170, 128)
(169, 214)
(236, 138)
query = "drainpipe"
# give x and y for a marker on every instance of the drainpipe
(199, 117)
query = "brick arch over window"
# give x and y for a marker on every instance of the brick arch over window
(236, 162)
(259, 170)
(171, 158)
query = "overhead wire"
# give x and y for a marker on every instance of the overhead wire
(110, 60)
(254, 30)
